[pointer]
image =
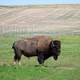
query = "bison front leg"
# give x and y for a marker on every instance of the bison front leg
(41, 58)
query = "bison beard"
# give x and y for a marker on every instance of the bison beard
(41, 46)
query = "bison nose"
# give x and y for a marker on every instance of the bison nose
(55, 57)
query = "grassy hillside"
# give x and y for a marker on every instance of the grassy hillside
(55, 20)
(36, 18)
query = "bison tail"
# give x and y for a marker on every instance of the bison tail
(13, 45)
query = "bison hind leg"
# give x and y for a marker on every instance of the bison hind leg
(17, 57)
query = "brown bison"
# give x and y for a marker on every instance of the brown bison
(41, 46)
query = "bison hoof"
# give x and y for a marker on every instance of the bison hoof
(19, 63)
(14, 63)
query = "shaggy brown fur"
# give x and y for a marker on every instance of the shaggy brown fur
(41, 46)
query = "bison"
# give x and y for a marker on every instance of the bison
(41, 46)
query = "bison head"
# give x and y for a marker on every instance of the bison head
(55, 48)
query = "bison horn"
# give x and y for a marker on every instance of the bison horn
(53, 44)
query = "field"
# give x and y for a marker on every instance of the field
(66, 68)
(59, 21)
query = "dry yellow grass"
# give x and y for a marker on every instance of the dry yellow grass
(48, 18)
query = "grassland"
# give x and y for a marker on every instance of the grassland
(59, 21)
(66, 68)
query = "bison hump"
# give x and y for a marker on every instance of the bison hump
(43, 44)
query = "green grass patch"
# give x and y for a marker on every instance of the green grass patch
(66, 68)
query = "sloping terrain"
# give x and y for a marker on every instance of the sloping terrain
(59, 19)
(50, 19)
